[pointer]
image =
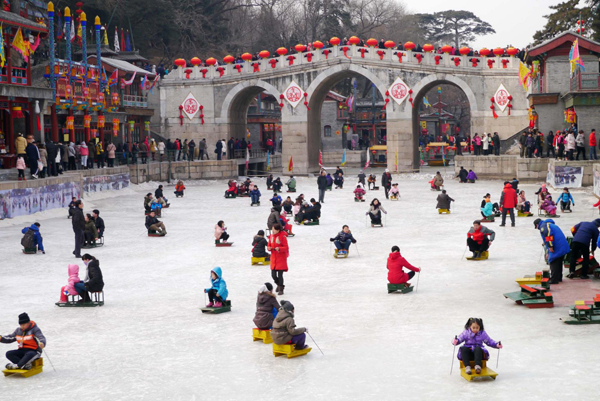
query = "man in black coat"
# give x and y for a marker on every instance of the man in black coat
(231, 148)
(314, 212)
(99, 221)
(94, 281)
(33, 156)
(322, 184)
(496, 143)
(52, 150)
(78, 227)
(386, 181)
(219, 150)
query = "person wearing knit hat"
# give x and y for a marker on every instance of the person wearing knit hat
(285, 330)
(266, 307)
(556, 246)
(31, 342)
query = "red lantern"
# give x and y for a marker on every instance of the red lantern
(228, 59)
(498, 51)
(389, 44)
(211, 61)
(282, 51)
(354, 40)
(373, 151)
(299, 48)
(87, 119)
(428, 48)
(195, 61)
(101, 120)
(427, 149)
(372, 42)
(334, 41)
(511, 51)
(245, 57)
(484, 52)
(317, 44)
(180, 62)
(264, 54)
(446, 49)
(409, 46)
(464, 51)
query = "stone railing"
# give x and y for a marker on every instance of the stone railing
(366, 55)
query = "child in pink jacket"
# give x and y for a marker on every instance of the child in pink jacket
(221, 232)
(69, 289)
(21, 168)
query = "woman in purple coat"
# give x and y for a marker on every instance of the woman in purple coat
(474, 337)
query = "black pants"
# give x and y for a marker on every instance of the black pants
(78, 242)
(72, 165)
(467, 356)
(580, 149)
(578, 249)
(212, 296)
(556, 267)
(375, 218)
(224, 237)
(52, 171)
(411, 274)
(511, 211)
(89, 237)
(475, 247)
(550, 149)
(565, 206)
(22, 356)
(387, 191)
(277, 277)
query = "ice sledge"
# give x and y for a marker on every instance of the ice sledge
(440, 211)
(394, 198)
(291, 190)
(230, 196)
(153, 233)
(289, 350)
(96, 298)
(95, 244)
(260, 261)
(484, 255)
(546, 302)
(340, 256)
(584, 312)
(523, 214)
(536, 280)
(404, 288)
(255, 204)
(264, 335)
(29, 251)
(225, 308)
(37, 366)
(358, 200)
(310, 223)
(485, 371)
(489, 219)
(218, 243)
(526, 293)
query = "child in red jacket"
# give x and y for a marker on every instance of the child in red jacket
(395, 263)
(232, 190)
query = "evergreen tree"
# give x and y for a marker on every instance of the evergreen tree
(456, 27)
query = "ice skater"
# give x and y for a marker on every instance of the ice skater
(474, 337)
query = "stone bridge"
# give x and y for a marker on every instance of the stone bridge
(222, 94)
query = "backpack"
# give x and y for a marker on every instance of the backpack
(28, 240)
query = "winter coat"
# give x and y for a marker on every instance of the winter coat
(291, 183)
(255, 192)
(375, 210)
(570, 142)
(263, 319)
(158, 193)
(565, 198)
(20, 145)
(476, 340)
(592, 140)
(358, 192)
(232, 187)
(480, 234)
(488, 209)
(219, 231)
(322, 182)
(150, 221)
(111, 150)
(361, 178)
(33, 153)
(585, 232)
(99, 149)
(276, 201)
(99, 223)
(73, 279)
(44, 157)
(72, 151)
(548, 205)
(84, 149)
(78, 220)
(395, 263)
(394, 191)
(554, 238)
(580, 140)
(219, 284)
(508, 199)
(343, 237)
(153, 146)
(462, 175)
(37, 236)
(90, 227)
(530, 142)
(26, 338)
(339, 181)
(486, 142)
(93, 281)
(386, 180)
(438, 181)
(273, 218)
(179, 188)
(161, 148)
(284, 327)
(21, 163)
(329, 180)
(279, 258)
(259, 246)
(471, 175)
(443, 201)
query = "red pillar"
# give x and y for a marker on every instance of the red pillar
(87, 130)
(101, 131)
(72, 132)
(11, 128)
(54, 123)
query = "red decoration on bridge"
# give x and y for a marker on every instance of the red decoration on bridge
(187, 73)
(221, 71)
(195, 61)
(505, 62)
(326, 53)
(309, 56)
(305, 101)
(202, 114)
(437, 59)
(474, 61)
(491, 62)
(409, 46)
(492, 107)
(291, 59)
(362, 52)
(282, 51)
(334, 41)
(427, 48)
(180, 115)
(419, 57)
(228, 59)
(273, 62)
(255, 66)
(238, 68)
(345, 49)
(204, 71)
(380, 53)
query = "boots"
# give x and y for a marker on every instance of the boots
(280, 289)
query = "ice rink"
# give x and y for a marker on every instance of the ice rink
(150, 340)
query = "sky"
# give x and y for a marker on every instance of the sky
(515, 21)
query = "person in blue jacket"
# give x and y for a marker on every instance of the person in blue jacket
(565, 200)
(37, 236)
(343, 240)
(276, 199)
(329, 180)
(217, 293)
(556, 244)
(255, 195)
(584, 233)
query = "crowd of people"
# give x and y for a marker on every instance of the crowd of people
(566, 144)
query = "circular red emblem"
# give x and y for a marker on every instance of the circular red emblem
(190, 106)
(502, 97)
(399, 91)
(293, 94)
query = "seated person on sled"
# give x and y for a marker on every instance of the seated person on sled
(309, 213)
(343, 240)
(523, 205)
(287, 227)
(565, 199)
(372, 181)
(148, 202)
(179, 188)
(477, 238)
(443, 201)
(232, 190)
(90, 231)
(259, 246)
(394, 191)
(255, 195)
(359, 192)
(30, 341)
(277, 184)
(549, 206)
(153, 224)
(339, 180)
(375, 212)
(291, 184)
(395, 265)
(288, 204)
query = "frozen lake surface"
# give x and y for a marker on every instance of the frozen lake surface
(151, 342)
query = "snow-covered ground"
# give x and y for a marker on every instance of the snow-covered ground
(151, 342)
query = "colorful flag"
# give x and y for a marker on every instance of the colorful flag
(143, 82)
(443, 157)
(368, 163)
(19, 45)
(117, 47)
(123, 41)
(130, 81)
(291, 164)
(79, 38)
(105, 41)
(268, 161)
(72, 34)
(343, 158)
(2, 55)
(60, 28)
(154, 82)
(350, 102)
(524, 75)
(426, 102)
(114, 78)
(575, 58)
(127, 42)
(395, 160)
(320, 159)
(247, 158)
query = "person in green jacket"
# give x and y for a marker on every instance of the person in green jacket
(291, 184)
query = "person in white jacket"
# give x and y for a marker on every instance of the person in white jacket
(570, 148)
(161, 149)
(485, 141)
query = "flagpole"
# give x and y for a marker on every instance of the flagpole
(51, 34)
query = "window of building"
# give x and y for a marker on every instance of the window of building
(342, 113)
(328, 130)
